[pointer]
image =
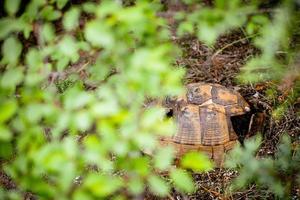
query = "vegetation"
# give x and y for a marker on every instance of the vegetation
(280, 174)
(75, 78)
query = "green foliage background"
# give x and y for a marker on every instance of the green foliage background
(61, 140)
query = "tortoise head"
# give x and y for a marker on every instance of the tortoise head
(239, 108)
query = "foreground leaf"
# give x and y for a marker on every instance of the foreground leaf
(196, 161)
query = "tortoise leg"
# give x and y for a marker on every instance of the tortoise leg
(206, 150)
(232, 134)
(218, 155)
(230, 145)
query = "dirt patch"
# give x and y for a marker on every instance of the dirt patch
(205, 64)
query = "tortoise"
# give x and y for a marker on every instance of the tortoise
(203, 120)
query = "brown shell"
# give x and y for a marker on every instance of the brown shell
(203, 120)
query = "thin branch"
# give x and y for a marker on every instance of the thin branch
(230, 44)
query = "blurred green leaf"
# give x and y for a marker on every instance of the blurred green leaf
(49, 13)
(210, 23)
(152, 116)
(8, 109)
(108, 8)
(182, 180)
(68, 47)
(253, 144)
(5, 134)
(141, 165)
(135, 186)
(48, 33)
(12, 77)
(196, 161)
(34, 112)
(89, 7)
(8, 25)
(75, 98)
(98, 34)
(61, 3)
(158, 186)
(82, 195)
(163, 158)
(12, 7)
(82, 120)
(146, 142)
(106, 108)
(185, 27)
(11, 50)
(71, 19)
(6, 149)
(34, 60)
(101, 185)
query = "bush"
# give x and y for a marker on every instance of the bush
(74, 79)
(280, 175)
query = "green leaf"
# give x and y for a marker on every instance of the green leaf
(158, 186)
(82, 120)
(61, 3)
(34, 112)
(196, 161)
(8, 109)
(163, 158)
(8, 25)
(12, 6)
(34, 60)
(105, 108)
(98, 34)
(62, 63)
(11, 50)
(75, 99)
(5, 134)
(152, 116)
(82, 195)
(71, 19)
(99, 72)
(50, 14)
(108, 8)
(147, 142)
(121, 148)
(68, 47)
(101, 185)
(140, 165)
(6, 149)
(185, 27)
(135, 186)
(48, 32)
(253, 144)
(12, 77)
(182, 180)
(89, 7)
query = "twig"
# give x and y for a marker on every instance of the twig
(82, 67)
(230, 44)
(211, 191)
(170, 197)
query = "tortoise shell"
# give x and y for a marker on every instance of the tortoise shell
(203, 120)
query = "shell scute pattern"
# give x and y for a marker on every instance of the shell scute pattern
(214, 126)
(188, 129)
